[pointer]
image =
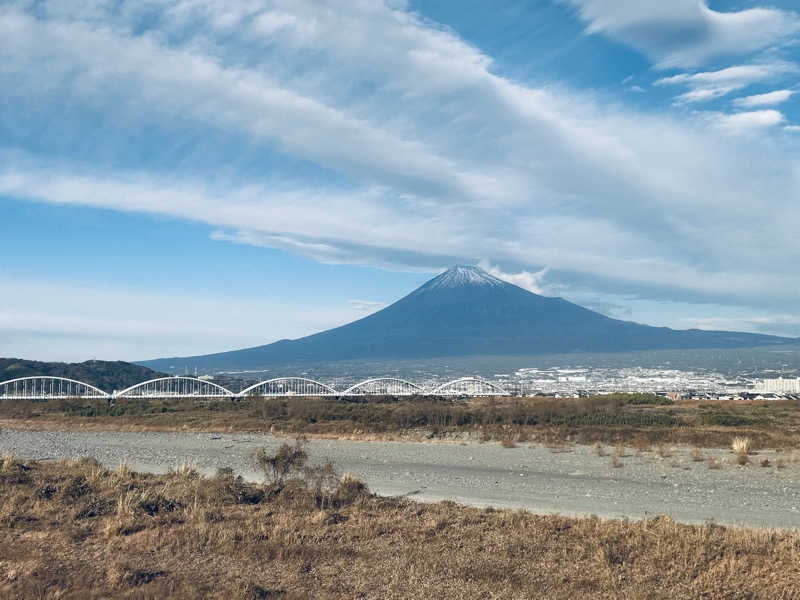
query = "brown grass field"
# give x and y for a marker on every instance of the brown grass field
(637, 420)
(76, 530)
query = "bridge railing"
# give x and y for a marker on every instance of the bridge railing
(384, 386)
(176, 387)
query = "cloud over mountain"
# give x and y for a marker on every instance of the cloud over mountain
(368, 133)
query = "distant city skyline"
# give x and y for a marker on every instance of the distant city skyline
(183, 177)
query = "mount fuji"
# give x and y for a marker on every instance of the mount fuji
(466, 311)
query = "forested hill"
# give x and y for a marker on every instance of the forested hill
(106, 375)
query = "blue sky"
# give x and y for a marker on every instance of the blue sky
(185, 176)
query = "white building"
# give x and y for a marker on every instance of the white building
(779, 386)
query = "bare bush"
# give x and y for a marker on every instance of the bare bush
(287, 461)
(350, 489)
(294, 482)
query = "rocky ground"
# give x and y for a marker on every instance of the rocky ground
(683, 483)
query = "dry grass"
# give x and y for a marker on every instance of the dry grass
(713, 463)
(124, 470)
(742, 447)
(173, 536)
(697, 455)
(615, 461)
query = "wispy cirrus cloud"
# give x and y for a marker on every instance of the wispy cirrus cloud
(708, 85)
(415, 153)
(767, 99)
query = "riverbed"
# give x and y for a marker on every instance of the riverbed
(572, 480)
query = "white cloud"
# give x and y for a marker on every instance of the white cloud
(366, 307)
(704, 94)
(437, 159)
(686, 33)
(89, 321)
(768, 99)
(778, 324)
(533, 281)
(748, 121)
(709, 85)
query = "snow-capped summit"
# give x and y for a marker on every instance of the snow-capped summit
(461, 275)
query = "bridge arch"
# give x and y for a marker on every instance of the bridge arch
(288, 386)
(383, 386)
(469, 386)
(44, 387)
(175, 387)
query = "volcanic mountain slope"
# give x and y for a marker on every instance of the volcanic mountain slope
(466, 311)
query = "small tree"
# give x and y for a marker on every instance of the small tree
(288, 476)
(288, 460)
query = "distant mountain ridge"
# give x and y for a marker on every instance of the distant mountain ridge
(106, 375)
(466, 311)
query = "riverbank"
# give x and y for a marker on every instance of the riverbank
(636, 420)
(75, 529)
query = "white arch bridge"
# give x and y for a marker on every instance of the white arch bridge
(60, 388)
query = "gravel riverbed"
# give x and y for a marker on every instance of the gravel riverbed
(576, 482)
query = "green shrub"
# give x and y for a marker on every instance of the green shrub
(726, 419)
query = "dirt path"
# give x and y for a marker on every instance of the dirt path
(577, 482)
